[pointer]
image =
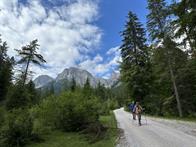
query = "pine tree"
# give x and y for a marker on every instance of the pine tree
(135, 58)
(157, 19)
(18, 97)
(87, 90)
(101, 91)
(187, 80)
(29, 55)
(33, 95)
(73, 85)
(185, 12)
(185, 26)
(52, 90)
(160, 29)
(6, 66)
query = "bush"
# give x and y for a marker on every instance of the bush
(77, 112)
(94, 132)
(45, 114)
(17, 97)
(17, 129)
(69, 111)
(2, 115)
(113, 104)
(104, 108)
(39, 130)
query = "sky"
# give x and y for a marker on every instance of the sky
(71, 33)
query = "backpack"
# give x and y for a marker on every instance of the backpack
(132, 107)
(138, 109)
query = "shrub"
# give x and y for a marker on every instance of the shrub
(104, 108)
(94, 132)
(113, 104)
(17, 129)
(39, 130)
(45, 114)
(17, 97)
(69, 111)
(2, 115)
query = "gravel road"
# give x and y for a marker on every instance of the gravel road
(156, 133)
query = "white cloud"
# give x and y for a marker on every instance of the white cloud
(66, 33)
(114, 50)
(103, 68)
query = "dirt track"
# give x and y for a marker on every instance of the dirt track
(156, 133)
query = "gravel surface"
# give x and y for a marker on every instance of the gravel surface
(155, 133)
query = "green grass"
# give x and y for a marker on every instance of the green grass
(61, 139)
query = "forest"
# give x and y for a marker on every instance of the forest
(158, 69)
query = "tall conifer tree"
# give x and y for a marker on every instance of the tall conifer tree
(135, 59)
(6, 65)
(29, 55)
(160, 30)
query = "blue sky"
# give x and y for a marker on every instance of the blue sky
(113, 16)
(80, 33)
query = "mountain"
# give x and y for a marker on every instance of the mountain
(64, 79)
(114, 80)
(79, 75)
(42, 81)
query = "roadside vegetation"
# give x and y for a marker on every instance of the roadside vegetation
(59, 138)
(28, 115)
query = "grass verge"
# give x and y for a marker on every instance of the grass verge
(61, 139)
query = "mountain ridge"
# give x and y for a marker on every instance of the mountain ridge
(64, 79)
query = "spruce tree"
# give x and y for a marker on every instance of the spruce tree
(157, 19)
(18, 97)
(185, 23)
(135, 58)
(73, 85)
(33, 94)
(87, 90)
(100, 91)
(6, 66)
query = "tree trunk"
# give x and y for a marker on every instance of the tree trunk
(26, 70)
(176, 91)
(173, 79)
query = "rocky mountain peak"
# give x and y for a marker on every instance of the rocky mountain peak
(42, 80)
(79, 75)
